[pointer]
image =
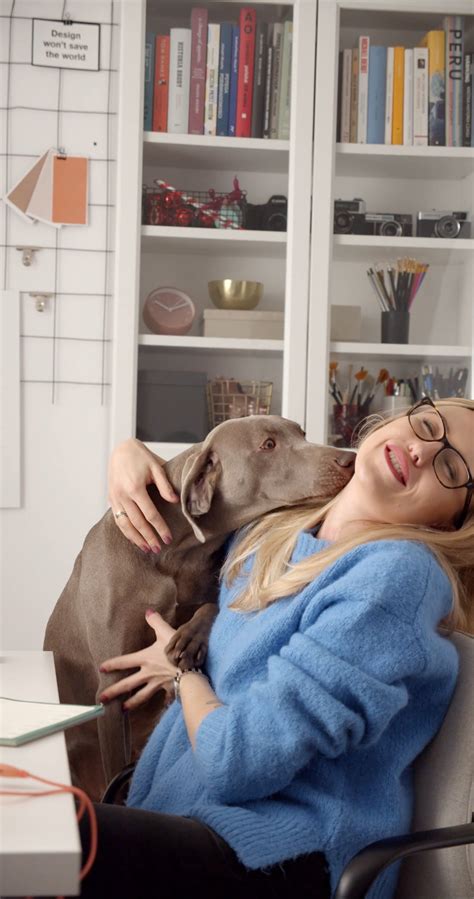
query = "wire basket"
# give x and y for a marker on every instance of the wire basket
(228, 398)
(165, 205)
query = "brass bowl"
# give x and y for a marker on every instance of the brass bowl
(231, 294)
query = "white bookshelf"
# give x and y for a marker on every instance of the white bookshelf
(198, 240)
(204, 151)
(149, 256)
(389, 179)
(208, 344)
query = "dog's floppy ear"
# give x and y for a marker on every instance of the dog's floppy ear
(201, 473)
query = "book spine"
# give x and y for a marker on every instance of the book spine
(267, 105)
(346, 97)
(389, 95)
(340, 65)
(180, 67)
(223, 90)
(376, 95)
(149, 79)
(284, 98)
(472, 100)
(398, 84)
(234, 79)
(197, 87)
(420, 96)
(454, 52)
(258, 98)
(354, 94)
(248, 24)
(408, 100)
(212, 79)
(160, 93)
(276, 77)
(467, 100)
(363, 94)
(434, 41)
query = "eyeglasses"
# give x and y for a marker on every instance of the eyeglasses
(450, 468)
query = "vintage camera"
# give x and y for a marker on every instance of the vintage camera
(269, 216)
(443, 224)
(344, 211)
(384, 224)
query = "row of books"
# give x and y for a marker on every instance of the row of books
(413, 96)
(220, 79)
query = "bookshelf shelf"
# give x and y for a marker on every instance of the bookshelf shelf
(384, 161)
(198, 240)
(390, 178)
(147, 256)
(399, 352)
(204, 152)
(218, 344)
(433, 250)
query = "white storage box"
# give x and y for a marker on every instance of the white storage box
(243, 323)
(345, 322)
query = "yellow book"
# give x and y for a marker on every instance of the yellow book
(398, 88)
(435, 42)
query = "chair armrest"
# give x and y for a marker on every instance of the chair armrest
(361, 871)
(117, 784)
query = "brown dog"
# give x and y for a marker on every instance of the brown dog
(243, 469)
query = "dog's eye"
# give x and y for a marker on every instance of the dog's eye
(268, 444)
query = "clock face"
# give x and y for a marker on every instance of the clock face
(168, 311)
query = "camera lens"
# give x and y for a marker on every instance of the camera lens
(343, 222)
(391, 229)
(276, 222)
(447, 227)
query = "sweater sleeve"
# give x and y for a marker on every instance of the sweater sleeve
(337, 683)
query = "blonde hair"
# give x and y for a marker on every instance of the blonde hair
(272, 539)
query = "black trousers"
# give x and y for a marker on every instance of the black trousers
(147, 855)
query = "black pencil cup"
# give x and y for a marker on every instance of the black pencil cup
(395, 326)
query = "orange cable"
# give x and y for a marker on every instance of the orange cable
(84, 803)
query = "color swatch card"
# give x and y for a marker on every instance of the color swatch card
(53, 191)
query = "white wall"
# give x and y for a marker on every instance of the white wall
(65, 351)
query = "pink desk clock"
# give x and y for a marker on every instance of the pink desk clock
(168, 311)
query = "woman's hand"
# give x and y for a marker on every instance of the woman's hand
(132, 466)
(155, 671)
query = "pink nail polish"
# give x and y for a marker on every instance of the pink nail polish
(156, 549)
(149, 612)
(168, 539)
(144, 548)
(104, 698)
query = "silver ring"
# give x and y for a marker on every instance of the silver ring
(118, 514)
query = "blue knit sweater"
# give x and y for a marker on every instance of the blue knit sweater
(329, 695)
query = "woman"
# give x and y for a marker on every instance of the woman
(326, 676)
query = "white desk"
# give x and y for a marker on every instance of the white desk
(40, 851)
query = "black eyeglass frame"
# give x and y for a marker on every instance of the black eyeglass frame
(469, 485)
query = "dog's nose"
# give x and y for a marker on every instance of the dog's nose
(346, 459)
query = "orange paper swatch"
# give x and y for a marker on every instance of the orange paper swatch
(70, 190)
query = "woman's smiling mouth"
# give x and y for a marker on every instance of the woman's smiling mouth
(397, 464)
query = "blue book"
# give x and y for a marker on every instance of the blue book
(223, 90)
(149, 78)
(234, 77)
(376, 95)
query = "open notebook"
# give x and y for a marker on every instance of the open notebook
(22, 721)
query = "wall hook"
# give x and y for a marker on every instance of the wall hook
(41, 300)
(27, 257)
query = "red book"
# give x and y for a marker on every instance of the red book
(160, 93)
(248, 25)
(197, 87)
